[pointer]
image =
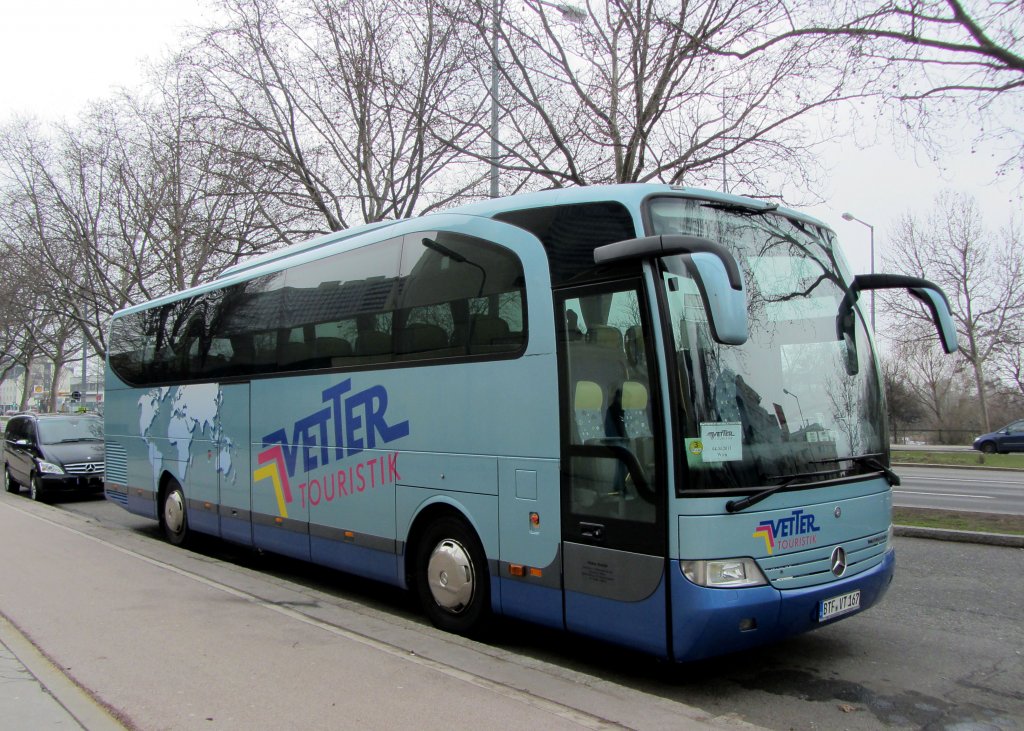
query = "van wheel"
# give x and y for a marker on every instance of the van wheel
(35, 489)
(452, 580)
(173, 518)
(10, 484)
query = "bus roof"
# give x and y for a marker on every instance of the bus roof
(323, 240)
(631, 195)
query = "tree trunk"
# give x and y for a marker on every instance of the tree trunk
(26, 388)
(54, 385)
(979, 379)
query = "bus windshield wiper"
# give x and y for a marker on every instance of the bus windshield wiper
(740, 209)
(735, 506)
(868, 460)
(871, 460)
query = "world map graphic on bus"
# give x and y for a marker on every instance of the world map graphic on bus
(186, 414)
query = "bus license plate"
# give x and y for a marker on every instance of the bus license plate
(837, 605)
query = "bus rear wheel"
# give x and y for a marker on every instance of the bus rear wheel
(451, 577)
(173, 518)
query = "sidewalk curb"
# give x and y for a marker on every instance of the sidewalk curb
(961, 536)
(73, 698)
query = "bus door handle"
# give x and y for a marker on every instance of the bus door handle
(593, 531)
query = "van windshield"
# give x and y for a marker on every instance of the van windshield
(70, 429)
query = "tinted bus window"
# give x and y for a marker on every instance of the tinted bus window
(338, 309)
(460, 296)
(424, 296)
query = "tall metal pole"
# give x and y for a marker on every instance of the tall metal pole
(494, 100)
(872, 271)
(725, 185)
(85, 360)
(851, 217)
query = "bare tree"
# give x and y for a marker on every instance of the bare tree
(902, 405)
(612, 91)
(17, 344)
(931, 382)
(982, 273)
(352, 103)
(935, 58)
(136, 199)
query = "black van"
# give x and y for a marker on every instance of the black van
(53, 453)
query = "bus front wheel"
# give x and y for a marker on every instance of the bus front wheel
(452, 581)
(173, 517)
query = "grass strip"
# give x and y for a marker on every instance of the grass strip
(950, 520)
(959, 459)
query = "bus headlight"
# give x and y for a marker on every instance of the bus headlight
(724, 573)
(49, 468)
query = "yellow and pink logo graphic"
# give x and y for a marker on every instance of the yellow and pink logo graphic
(306, 460)
(794, 531)
(274, 468)
(766, 531)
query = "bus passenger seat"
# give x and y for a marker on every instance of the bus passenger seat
(422, 337)
(605, 336)
(488, 334)
(634, 410)
(327, 350)
(588, 407)
(635, 356)
(294, 352)
(373, 342)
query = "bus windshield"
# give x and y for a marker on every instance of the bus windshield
(800, 402)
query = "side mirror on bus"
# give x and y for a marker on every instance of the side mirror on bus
(930, 294)
(717, 273)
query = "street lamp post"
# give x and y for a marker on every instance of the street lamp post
(851, 217)
(803, 421)
(495, 15)
(570, 13)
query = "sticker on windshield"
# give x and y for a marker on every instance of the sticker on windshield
(720, 441)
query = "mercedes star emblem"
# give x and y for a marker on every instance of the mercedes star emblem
(838, 561)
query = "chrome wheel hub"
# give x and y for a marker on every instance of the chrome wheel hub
(450, 576)
(174, 512)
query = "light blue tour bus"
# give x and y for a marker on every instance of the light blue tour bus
(648, 414)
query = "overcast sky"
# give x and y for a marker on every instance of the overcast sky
(58, 54)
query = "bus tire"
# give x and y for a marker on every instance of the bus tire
(173, 516)
(451, 577)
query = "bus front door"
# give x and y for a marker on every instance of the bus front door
(613, 495)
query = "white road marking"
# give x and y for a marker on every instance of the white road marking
(943, 494)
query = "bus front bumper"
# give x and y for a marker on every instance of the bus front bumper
(709, 622)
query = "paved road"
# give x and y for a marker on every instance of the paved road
(944, 650)
(948, 488)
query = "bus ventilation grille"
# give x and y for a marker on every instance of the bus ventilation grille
(814, 567)
(117, 463)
